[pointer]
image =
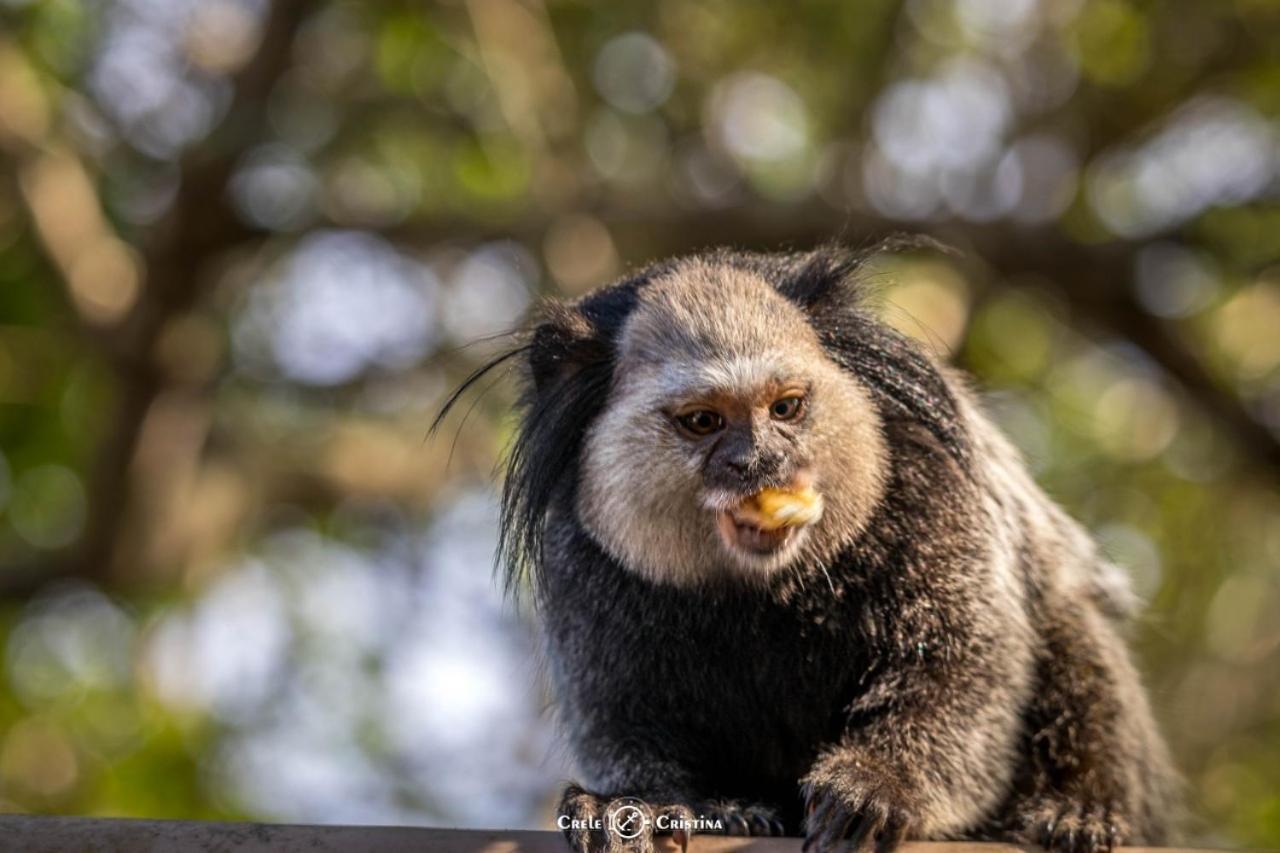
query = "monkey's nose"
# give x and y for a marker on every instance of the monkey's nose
(743, 473)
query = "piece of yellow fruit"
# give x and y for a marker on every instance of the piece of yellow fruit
(775, 508)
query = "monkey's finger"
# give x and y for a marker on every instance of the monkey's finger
(679, 819)
(672, 815)
(736, 824)
(1064, 830)
(815, 821)
(580, 808)
(1093, 830)
(892, 834)
(760, 824)
(579, 840)
(861, 829)
(642, 843)
(829, 826)
(1046, 829)
(1117, 832)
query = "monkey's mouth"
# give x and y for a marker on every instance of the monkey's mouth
(766, 522)
(743, 534)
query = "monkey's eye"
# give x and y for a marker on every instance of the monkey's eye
(700, 423)
(786, 408)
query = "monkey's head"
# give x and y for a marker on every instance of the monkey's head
(722, 390)
(663, 410)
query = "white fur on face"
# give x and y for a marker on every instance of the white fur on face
(718, 331)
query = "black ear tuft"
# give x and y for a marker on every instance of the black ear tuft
(824, 279)
(829, 284)
(575, 335)
(471, 381)
(570, 360)
(562, 343)
(827, 278)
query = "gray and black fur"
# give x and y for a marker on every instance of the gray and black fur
(944, 660)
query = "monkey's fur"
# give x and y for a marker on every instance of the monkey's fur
(939, 656)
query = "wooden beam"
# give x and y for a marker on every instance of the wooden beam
(41, 834)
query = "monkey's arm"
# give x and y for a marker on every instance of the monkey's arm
(1100, 774)
(632, 748)
(633, 774)
(930, 743)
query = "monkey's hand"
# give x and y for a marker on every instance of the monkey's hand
(592, 823)
(852, 804)
(598, 824)
(1057, 823)
(735, 818)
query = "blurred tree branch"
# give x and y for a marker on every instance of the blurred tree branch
(1093, 280)
(177, 262)
(1117, 115)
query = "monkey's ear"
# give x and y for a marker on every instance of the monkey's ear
(831, 278)
(563, 342)
(825, 279)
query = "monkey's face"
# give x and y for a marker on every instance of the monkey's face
(730, 444)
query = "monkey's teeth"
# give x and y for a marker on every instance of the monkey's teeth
(758, 538)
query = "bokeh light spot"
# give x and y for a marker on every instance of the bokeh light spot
(48, 506)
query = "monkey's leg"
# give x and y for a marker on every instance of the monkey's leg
(1100, 776)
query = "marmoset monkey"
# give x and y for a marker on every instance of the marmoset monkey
(793, 580)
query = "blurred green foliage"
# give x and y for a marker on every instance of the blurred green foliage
(243, 247)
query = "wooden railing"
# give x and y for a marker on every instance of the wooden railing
(38, 834)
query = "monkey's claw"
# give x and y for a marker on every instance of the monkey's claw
(1071, 827)
(744, 819)
(859, 819)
